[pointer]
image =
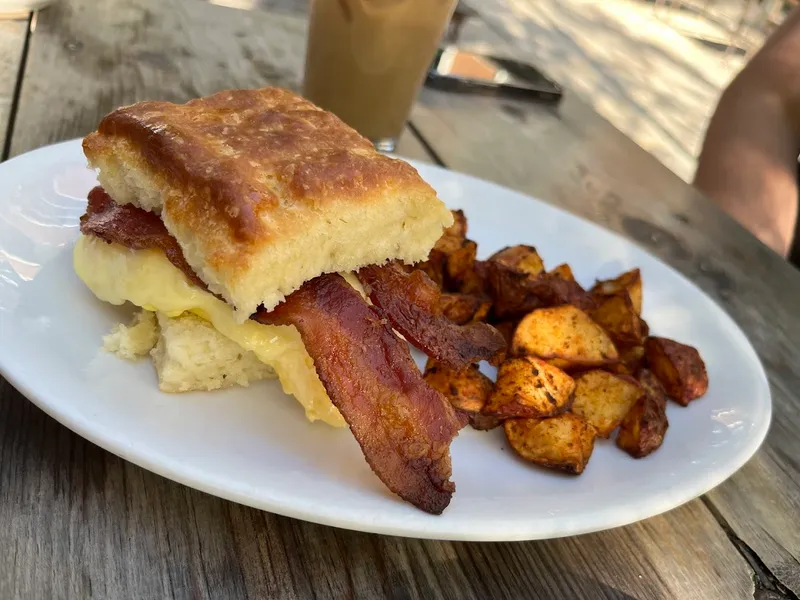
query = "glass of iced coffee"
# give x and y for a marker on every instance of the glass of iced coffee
(367, 59)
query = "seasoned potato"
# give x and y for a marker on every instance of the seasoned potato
(631, 359)
(515, 294)
(631, 281)
(434, 267)
(482, 314)
(474, 281)
(565, 336)
(645, 329)
(510, 291)
(643, 428)
(616, 314)
(467, 390)
(521, 258)
(563, 271)
(553, 290)
(483, 422)
(462, 308)
(564, 442)
(603, 399)
(507, 328)
(518, 284)
(652, 386)
(459, 227)
(453, 236)
(529, 387)
(458, 264)
(451, 240)
(678, 367)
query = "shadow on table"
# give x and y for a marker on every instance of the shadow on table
(648, 80)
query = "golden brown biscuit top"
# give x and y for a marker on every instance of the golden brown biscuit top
(241, 153)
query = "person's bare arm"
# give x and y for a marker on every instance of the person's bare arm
(748, 164)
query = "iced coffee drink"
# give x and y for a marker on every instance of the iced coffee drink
(366, 59)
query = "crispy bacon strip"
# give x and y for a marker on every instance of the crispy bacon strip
(132, 227)
(403, 426)
(410, 301)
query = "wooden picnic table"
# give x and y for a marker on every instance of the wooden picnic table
(79, 522)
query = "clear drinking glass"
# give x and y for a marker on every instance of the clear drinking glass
(366, 60)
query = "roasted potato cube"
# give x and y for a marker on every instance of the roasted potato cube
(523, 259)
(563, 271)
(458, 264)
(507, 328)
(434, 267)
(564, 442)
(631, 359)
(467, 390)
(459, 227)
(678, 367)
(474, 281)
(643, 428)
(461, 308)
(631, 281)
(645, 328)
(450, 241)
(446, 245)
(482, 314)
(462, 417)
(564, 336)
(515, 293)
(603, 399)
(553, 290)
(510, 290)
(652, 386)
(617, 315)
(453, 236)
(529, 387)
(483, 422)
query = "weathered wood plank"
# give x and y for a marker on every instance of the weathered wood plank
(94, 57)
(12, 41)
(78, 522)
(573, 158)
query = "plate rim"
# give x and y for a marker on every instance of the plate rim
(158, 463)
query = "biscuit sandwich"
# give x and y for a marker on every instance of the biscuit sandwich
(263, 237)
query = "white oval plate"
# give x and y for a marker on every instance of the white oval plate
(254, 445)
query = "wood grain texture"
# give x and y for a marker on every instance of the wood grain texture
(87, 58)
(78, 522)
(12, 40)
(571, 157)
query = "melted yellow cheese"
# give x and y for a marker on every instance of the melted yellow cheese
(146, 278)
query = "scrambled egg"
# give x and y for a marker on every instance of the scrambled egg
(146, 278)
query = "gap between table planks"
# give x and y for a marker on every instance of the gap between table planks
(78, 522)
(13, 34)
